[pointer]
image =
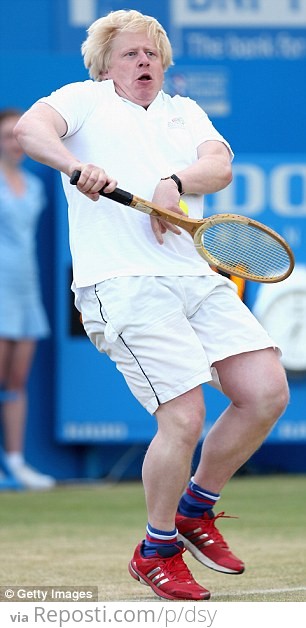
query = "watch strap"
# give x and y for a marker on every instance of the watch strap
(177, 180)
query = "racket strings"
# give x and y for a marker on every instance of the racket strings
(246, 248)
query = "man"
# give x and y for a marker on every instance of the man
(147, 298)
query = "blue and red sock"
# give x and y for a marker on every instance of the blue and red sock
(197, 500)
(161, 542)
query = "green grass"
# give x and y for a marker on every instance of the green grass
(85, 535)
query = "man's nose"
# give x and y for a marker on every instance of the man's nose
(143, 59)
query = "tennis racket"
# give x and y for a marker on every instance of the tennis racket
(235, 244)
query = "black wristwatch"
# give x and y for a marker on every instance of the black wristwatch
(176, 180)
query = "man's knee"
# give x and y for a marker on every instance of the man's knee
(272, 400)
(190, 426)
(278, 397)
(183, 418)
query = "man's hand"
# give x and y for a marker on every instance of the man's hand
(92, 180)
(167, 196)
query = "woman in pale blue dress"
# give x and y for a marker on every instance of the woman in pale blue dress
(22, 316)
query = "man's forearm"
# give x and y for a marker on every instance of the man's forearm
(206, 176)
(210, 173)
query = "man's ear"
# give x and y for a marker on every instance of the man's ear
(103, 75)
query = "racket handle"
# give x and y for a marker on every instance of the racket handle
(118, 195)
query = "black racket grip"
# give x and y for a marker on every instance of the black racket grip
(120, 196)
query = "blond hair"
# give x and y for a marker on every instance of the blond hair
(97, 48)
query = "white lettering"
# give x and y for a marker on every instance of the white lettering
(278, 45)
(238, 13)
(288, 47)
(258, 47)
(81, 13)
(281, 185)
(254, 190)
(246, 194)
(203, 45)
(223, 5)
(293, 235)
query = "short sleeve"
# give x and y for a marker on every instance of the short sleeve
(74, 102)
(202, 128)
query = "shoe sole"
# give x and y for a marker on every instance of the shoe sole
(143, 580)
(197, 554)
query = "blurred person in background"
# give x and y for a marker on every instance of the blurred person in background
(23, 319)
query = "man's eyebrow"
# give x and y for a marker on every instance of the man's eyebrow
(129, 48)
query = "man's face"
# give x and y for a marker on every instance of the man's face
(135, 67)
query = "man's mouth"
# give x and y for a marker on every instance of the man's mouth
(145, 77)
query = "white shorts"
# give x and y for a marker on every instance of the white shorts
(165, 333)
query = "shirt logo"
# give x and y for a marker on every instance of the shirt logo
(176, 123)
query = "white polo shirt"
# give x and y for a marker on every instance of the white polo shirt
(137, 147)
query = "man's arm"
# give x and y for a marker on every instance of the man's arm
(210, 173)
(39, 132)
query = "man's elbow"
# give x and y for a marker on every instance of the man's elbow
(225, 176)
(228, 175)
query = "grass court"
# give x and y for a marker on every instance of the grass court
(84, 535)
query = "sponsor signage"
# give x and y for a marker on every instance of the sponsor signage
(239, 13)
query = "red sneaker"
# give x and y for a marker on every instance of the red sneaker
(169, 577)
(201, 537)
